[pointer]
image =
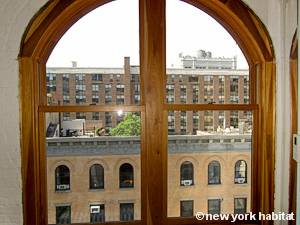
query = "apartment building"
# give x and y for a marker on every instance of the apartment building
(98, 179)
(201, 80)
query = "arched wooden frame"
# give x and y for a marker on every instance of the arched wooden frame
(294, 119)
(54, 19)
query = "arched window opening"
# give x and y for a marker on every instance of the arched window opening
(96, 176)
(62, 178)
(126, 176)
(240, 172)
(214, 172)
(223, 112)
(186, 174)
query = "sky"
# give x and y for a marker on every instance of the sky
(104, 36)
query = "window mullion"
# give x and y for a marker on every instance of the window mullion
(152, 45)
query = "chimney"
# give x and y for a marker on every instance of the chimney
(127, 80)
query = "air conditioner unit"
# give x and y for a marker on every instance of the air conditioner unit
(63, 187)
(95, 209)
(187, 182)
(240, 180)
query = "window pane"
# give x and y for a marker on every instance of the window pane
(126, 211)
(93, 168)
(186, 208)
(105, 69)
(209, 160)
(63, 214)
(96, 176)
(214, 206)
(97, 213)
(186, 174)
(240, 205)
(204, 66)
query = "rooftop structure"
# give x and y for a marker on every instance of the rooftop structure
(205, 61)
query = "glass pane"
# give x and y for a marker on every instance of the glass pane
(204, 66)
(105, 69)
(186, 208)
(240, 205)
(93, 169)
(209, 162)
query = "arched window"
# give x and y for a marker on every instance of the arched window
(126, 176)
(186, 174)
(240, 172)
(54, 19)
(62, 178)
(214, 172)
(96, 177)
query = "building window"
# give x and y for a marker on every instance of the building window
(193, 78)
(96, 176)
(195, 93)
(97, 77)
(221, 89)
(63, 214)
(108, 120)
(214, 172)
(137, 94)
(182, 93)
(171, 123)
(234, 89)
(195, 122)
(126, 212)
(108, 96)
(208, 121)
(214, 206)
(51, 82)
(240, 172)
(62, 178)
(187, 208)
(170, 93)
(234, 119)
(66, 116)
(186, 174)
(120, 99)
(66, 99)
(80, 115)
(79, 78)
(95, 87)
(126, 176)
(208, 89)
(97, 213)
(95, 97)
(183, 123)
(96, 116)
(240, 205)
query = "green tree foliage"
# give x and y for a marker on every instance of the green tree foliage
(130, 126)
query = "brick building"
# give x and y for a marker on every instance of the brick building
(210, 174)
(213, 81)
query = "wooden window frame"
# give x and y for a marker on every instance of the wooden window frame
(56, 17)
(294, 124)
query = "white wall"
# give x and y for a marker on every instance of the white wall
(279, 16)
(14, 17)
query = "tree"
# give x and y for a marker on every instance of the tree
(130, 126)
